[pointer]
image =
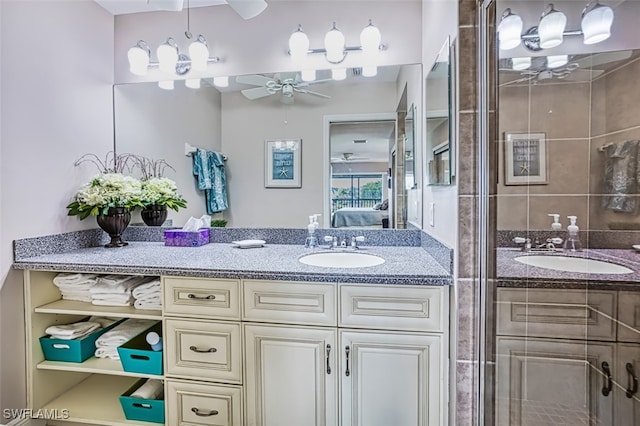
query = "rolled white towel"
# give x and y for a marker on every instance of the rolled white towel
(107, 352)
(123, 332)
(154, 305)
(72, 278)
(151, 389)
(72, 331)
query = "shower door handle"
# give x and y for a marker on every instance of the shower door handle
(608, 385)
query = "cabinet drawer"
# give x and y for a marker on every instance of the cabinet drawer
(199, 297)
(205, 350)
(388, 307)
(197, 404)
(571, 314)
(289, 302)
(629, 316)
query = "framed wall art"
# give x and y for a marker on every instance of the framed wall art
(525, 159)
(283, 168)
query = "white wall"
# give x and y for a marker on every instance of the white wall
(439, 19)
(156, 123)
(55, 105)
(247, 124)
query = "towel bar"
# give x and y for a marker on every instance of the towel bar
(188, 149)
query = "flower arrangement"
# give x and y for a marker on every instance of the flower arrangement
(109, 189)
(161, 191)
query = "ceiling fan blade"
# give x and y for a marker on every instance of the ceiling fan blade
(254, 80)
(247, 9)
(603, 58)
(256, 93)
(309, 92)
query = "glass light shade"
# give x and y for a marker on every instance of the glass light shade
(192, 83)
(138, 60)
(551, 28)
(520, 64)
(555, 61)
(167, 58)
(339, 73)
(334, 45)
(509, 30)
(199, 53)
(298, 44)
(221, 81)
(308, 75)
(369, 71)
(596, 24)
(370, 39)
(166, 84)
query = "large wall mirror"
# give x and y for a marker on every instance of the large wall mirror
(438, 119)
(161, 123)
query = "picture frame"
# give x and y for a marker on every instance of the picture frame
(283, 163)
(525, 159)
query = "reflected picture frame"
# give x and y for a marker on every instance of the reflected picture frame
(283, 163)
(525, 159)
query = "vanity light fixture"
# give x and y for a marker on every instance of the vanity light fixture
(556, 61)
(166, 84)
(192, 83)
(520, 64)
(308, 75)
(170, 60)
(221, 81)
(595, 27)
(338, 73)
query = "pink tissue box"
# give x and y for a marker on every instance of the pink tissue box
(179, 238)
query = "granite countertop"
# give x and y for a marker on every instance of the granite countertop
(513, 273)
(403, 265)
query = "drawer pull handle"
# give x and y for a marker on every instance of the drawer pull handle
(60, 346)
(347, 349)
(632, 382)
(328, 353)
(202, 351)
(194, 296)
(606, 388)
(197, 412)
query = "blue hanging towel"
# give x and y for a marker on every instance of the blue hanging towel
(208, 166)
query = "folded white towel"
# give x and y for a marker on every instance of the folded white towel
(112, 285)
(72, 331)
(151, 287)
(79, 286)
(123, 332)
(151, 389)
(72, 278)
(147, 305)
(80, 297)
(111, 302)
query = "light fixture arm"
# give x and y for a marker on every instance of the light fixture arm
(346, 50)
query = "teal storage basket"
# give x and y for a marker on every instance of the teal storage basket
(136, 355)
(146, 410)
(77, 350)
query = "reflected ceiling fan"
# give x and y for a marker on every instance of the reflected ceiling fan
(347, 157)
(577, 68)
(287, 84)
(247, 9)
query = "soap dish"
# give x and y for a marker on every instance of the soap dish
(249, 243)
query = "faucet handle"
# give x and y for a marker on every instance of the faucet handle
(360, 238)
(521, 240)
(328, 238)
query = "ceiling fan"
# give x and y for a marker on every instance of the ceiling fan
(247, 9)
(578, 68)
(285, 83)
(346, 157)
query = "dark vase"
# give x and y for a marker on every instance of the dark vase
(114, 223)
(154, 215)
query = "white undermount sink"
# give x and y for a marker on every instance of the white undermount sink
(341, 259)
(574, 264)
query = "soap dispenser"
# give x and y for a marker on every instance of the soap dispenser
(312, 240)
(572, 243)
(556, 225)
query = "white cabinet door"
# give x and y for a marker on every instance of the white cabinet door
(391, 378)
(290, 376)
(627, 392)
(553, 381)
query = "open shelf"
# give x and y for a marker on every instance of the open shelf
(94, 365)
(85, 308)
(95, 401)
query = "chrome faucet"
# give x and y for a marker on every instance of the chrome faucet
(548, 246)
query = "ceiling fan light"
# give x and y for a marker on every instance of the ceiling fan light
(338, 73)
(192, 83)
(248, 9)
(551, 27)
(308, 75)
(520, 64)
(139, 56)
(167, 56)
(221, 81)
(370, 39)
(334, 45)
(369, 71)
(596, 23)
(199, 53)
(298, 44)
(555, 61)
(166, 84)
(509, 30)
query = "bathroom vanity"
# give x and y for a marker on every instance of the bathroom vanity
(255, 337)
